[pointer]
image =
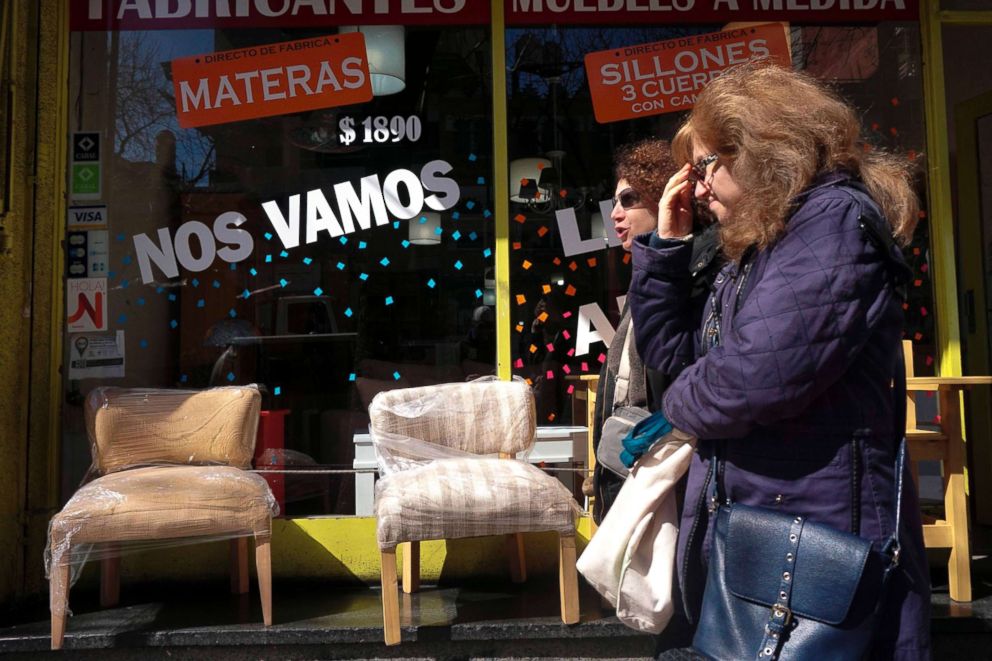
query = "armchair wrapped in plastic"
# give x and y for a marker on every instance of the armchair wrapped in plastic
(438, 482)
(168, 469)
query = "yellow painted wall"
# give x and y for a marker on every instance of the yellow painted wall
(14, 314)
(47, 298)
(343, 550)
(30, 317)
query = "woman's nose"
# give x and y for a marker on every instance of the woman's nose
(701, 189)
(618, 213)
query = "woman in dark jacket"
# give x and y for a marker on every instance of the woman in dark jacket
(800, 337)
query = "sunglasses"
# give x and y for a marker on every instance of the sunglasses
(628, 199)
(698, 169)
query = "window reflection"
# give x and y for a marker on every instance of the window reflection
(322, 326)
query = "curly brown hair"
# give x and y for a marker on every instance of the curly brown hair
(647, 166)
(778, 129)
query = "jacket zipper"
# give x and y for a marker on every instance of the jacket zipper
(856, 486)
(714, 465)
(700, 504)
(745, 271)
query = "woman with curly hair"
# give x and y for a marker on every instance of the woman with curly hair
(787, 382)
(642, 169)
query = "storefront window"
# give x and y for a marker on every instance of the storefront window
(229, 225)
(566, 280)
(324, 254)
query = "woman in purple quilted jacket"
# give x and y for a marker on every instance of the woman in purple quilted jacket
(789, 377)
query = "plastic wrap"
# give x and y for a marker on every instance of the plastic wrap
(130, 427)
(415, 426)
(160, 477)
(437, 482)
(453, 498)
(300, 477)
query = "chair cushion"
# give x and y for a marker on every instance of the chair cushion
(130, 427)
(470, 497)
(166, 502)
(481, 417)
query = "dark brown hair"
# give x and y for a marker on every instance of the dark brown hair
(647, 166)
(776, 130)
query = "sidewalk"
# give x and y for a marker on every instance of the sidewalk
(322, 621)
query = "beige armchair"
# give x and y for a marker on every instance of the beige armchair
(437, 486)
(169, 469)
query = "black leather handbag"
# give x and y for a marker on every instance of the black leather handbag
(781, 587)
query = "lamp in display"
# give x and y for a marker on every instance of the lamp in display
(525, 180)
(536, 182)
(424, 229)
(385, 46)
(597, 228)
(489, 287)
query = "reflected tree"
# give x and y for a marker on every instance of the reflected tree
(145, 108)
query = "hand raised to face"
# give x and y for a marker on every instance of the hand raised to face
(675, 206)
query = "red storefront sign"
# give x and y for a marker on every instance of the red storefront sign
(214, 14)
(113, 15)
(639, 12)
(665, 76)
(272, 79)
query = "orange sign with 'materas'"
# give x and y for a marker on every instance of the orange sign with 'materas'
(665, 76)
(273, 79)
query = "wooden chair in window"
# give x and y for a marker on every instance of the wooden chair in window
(946, 445)
(169, 467)
(462, 493)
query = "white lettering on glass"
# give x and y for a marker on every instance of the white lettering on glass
(591, 317)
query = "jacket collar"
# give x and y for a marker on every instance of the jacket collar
(823, 180)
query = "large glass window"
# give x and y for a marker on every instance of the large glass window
(565, 303)
(250, 249)
(326, 321)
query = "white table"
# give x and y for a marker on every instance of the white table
(552, 445)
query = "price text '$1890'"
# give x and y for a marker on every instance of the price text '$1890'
(380, 129)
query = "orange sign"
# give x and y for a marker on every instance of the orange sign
(650, 79)
(274, 79)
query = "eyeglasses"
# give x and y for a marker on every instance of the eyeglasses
(628, 199)
(698, 172)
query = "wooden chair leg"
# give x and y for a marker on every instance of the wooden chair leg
(390, 598)
(411, 567)
(959, 563)
(58, 599)
(239, 565)
(518, 559)
(955, 500)
(263, 566)
(914, 470)
(110, 578)
(568, 580)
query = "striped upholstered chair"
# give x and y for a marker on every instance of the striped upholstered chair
(439, 484)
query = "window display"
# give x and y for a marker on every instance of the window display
(568, 276)
(301, 195)
(277, 215)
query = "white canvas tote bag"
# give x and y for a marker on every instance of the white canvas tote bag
(631, 558)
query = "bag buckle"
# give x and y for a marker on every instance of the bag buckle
(781, 615)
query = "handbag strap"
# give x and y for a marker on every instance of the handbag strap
(781, 614)
(628, 385)
(622, 385)
(891, 547)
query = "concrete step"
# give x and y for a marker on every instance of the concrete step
(315, 620)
